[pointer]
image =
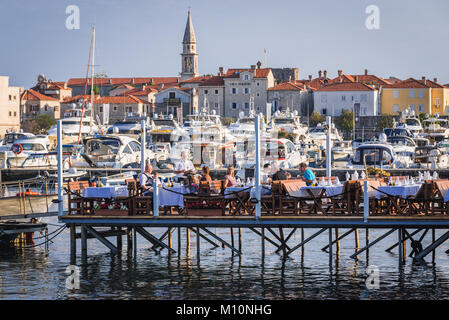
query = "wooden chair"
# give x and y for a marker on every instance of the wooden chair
(210, 200)
(421, 203)
(349, 201)
(77, 204)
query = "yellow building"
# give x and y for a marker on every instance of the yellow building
(415, 95)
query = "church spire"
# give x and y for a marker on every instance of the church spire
(189, 33)
(189, 56)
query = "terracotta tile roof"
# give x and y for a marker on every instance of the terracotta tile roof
(139, 92)
(260, 73)
(129, 99)
(369, 78)
(287, 86)
(125, 86)
(314, 84)
(344, 78)
(409, 83)
(78, 97)
(347, 86)
(434, 84)
(30, 94)
(216, 81)
(199, 79)
(118, 81)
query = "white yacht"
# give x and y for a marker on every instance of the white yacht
(244, 128)
(342, 150)
(71, 127)
(205, 126)
(318, 135)
(109, 151)
(411, 122)
(288, 122)
(11, 137)
(436, 129)
(280, 151)
(165, 129)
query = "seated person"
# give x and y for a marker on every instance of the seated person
(192, 183)
(184, 166)
(266, 179)
(146, 180)
(280, 174)
(205, 176)
(308, 175)
(230, 180)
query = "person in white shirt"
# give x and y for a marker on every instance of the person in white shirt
(146, 179)
(184, 166)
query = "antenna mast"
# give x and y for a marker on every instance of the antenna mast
(92, 79)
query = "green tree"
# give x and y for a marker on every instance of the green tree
(385, 121)
(96, 91)
(345, 121)
(316, 118)
(42, 123)
(422, 117)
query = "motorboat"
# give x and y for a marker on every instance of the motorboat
(318, 134)
(281, 152)
(289, 123)
(403, 145)
(71, 127)
(378, 154)
(164, 129)
(206, 127)
(341, 150)
(109, 151)
(411, 123)
(436, 129)
(130, 126)
(161, 150)
(244, 127)
(10, 138)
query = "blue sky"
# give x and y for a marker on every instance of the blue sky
(143, 37)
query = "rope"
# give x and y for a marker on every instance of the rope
(206, 196)
(109, 200)
(47, 241)
(54, 231)
(326, 197)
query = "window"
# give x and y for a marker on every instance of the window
(45, 107)
(127, 150)
(206, 91)
(323, 98)
(421, 93)
(437, 102)
(246, 77)
(395, 108)
(15, 98)
(134, 146)
(324, 111)
(10, 98)
(412, 107)
(257, 94)
(216, 105)
(101, 109)
(411, 93)
(216, 91)
(172, 95)
(364, 111)
(421, 108)
(343, 98)
(257, 83)
(246, 90)
(234, 90)
(115, 108)
(10, 113)
(276, 95)
(246, 105)
(363, 97)
(395, 93)
(233, 105)
(129, 109)
(15, 114)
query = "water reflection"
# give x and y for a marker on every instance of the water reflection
(306, 274)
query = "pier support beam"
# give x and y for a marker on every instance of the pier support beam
(213, 235)
(433, 246)
(102, 239)
(372, 243)
(72, 244)
(206, 238)
(302, 243)
(338, 238)
(155, 241)
(83, 243)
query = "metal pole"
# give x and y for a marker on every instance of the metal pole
(257, 169)
(60, 169)
(328, 147)
(365, 201)
(155, 199)
(143, 146)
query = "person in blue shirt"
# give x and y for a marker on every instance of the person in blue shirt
(308, 175)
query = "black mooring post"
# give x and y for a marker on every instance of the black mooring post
(72, 244)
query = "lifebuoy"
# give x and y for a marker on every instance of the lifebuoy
(28, 192)
(17, 148)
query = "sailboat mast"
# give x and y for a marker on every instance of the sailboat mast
(92, 79)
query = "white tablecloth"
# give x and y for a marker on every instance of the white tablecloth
(106, 192)
(402, 191)
(167, 198)
(330, 190)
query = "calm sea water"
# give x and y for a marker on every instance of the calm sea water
(34, 273)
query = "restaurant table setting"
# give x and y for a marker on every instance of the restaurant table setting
(105, 192)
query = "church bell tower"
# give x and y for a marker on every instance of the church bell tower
(189, 56)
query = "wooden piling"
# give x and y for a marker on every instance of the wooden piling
(338, 241)
(263, 244)
(240, 239)
(400, 247)
(83, 243)
(119, 238)
(129, 240)
(170, 239)
(198, 245)
(356, 237)
(72, 244)
(179, 241)
(187, 240)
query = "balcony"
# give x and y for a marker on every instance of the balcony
(172, 101)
